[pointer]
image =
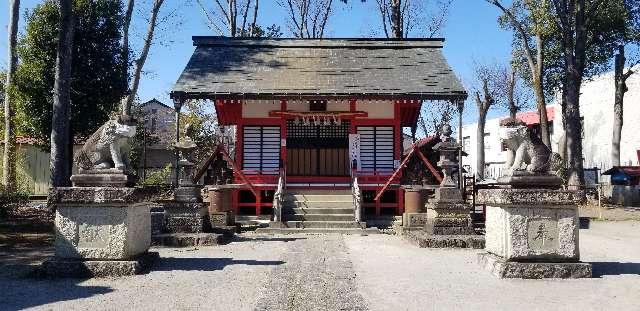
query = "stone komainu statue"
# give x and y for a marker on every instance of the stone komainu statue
(526, 153)
(108, 147)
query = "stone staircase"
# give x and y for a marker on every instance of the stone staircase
(318, 211)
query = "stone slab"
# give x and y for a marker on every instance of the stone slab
(424, 240)
(70, 268)
(533, 270)
(99, 180)
(190, 239)
(94, 195)
(220, 219)
(528, 197)
(531, 181)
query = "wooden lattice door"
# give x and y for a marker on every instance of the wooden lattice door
(317, 150)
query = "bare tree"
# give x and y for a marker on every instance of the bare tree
(8, 166)
(485, 99)
(433, 115)
(60, 129)
(231, 17)
(307, 18)
(533, 35)
(138, 64)
(573, 17)
(401, 17)
(621, 76)
(513, 94)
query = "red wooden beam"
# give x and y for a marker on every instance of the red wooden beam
(393, 176)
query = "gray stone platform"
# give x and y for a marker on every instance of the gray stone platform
(425, 240)
(534, 270)
(75, 268)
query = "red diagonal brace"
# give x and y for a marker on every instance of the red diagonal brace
(237, 170)
(393, 176)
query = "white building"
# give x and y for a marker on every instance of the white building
(596, 109)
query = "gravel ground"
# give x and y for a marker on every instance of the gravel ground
(333, 272)
(318, 275)
(392, 274)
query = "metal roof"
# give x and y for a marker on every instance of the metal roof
(262, 68)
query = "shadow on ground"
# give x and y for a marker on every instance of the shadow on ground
(205, 264)
(601, 269)
(28, 293)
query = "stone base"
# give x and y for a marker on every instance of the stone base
(181, 217)
(449, 219)
(100, 178)
(71, 268)
(534, 270)
(190, 239)
(188, 194)
(220, 219)
(423, 240)
(414, 220)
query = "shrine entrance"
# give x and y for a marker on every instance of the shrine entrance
(317, 149)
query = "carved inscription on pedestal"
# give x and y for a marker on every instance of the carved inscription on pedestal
(417, 220)
(93, 232)
(543, 234)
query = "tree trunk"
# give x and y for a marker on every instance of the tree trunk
(8, 166)
(396, 19)
(126, 108)
(538, 85)
(139, 63)
(61, 98)
(573, 124)
(618, 105)
(511, 88)
(482, 119)
(255, 18)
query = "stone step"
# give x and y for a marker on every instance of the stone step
(318, 197)
(318, 231)
(318, 204)
(319, 210)
(322, 224)
(320, 217)
(319, 191)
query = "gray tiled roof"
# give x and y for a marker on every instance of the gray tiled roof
(330, 67)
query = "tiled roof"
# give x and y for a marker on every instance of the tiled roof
(330, 67)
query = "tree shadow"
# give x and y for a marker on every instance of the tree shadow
(22, 293)
(601, 269)
(206, 264)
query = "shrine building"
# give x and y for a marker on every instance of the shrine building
(321, 118)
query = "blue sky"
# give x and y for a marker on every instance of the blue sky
(471, 34)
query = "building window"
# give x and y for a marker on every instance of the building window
(376, 147)
(153, 124)
(487, 144)
(466, 143)
(261, 150)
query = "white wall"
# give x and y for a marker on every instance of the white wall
(596, 107)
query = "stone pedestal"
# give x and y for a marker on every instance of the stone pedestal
(100, 230)
(448, 219)
(219, 207)
(532, 233)
(414, 216)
